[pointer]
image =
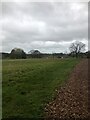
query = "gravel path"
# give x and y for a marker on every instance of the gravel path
(71, 101)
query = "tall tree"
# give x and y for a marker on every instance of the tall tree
(17, 53)
(76, 48)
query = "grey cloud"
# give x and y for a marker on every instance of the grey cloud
(43, 25)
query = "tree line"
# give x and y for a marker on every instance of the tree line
(76, 50)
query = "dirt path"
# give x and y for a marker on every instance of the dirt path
(71, 100)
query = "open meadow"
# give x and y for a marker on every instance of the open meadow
(28, 85)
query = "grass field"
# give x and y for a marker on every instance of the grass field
(28, 85)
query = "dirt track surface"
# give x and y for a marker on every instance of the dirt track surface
(71, 100)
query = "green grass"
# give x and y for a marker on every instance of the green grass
(28, 85)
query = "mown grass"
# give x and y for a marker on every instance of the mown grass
(28, 85)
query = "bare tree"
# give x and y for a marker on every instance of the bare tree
(35, 54)
(76, 48)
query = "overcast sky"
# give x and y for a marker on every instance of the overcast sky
(46, 26)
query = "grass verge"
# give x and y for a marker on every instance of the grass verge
(28, 85)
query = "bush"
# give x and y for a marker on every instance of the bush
(17, 53)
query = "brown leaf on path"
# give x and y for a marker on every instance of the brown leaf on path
(72, 99)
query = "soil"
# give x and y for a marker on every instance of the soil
(71, 101)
